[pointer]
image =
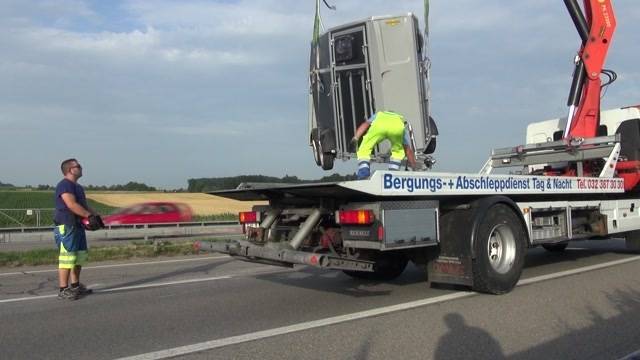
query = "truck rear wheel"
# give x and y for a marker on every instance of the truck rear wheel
(499, 250)
(388, 266)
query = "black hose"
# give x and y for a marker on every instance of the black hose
(332, 7)
(578, 19)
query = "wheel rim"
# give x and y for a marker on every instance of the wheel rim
(321, 153)
(316, 152)
(501, 248)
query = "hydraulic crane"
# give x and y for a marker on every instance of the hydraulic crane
(595, 27)
(585, 147)
(596, 31)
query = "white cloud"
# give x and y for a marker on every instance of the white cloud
(242, 18)
(133, 47)
(186, 81)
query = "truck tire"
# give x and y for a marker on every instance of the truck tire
(499, 245)
(555, 247)
(388, 266)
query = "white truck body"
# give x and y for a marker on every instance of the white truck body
(470, 229)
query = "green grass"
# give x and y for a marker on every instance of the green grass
(40, 202)
(31, 257)
(104, 253)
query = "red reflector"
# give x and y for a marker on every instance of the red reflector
(248, 217)
(355, 217)
(380, 233)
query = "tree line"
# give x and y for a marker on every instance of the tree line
(232, 182)
(130, 186)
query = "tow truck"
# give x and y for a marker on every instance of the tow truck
(575, 178)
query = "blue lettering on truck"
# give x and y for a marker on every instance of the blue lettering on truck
(482, 183)
(410, 184)
(487, 183)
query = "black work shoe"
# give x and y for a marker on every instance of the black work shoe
(67, 294)
(82, 290)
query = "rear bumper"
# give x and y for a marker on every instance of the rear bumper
(280, 254)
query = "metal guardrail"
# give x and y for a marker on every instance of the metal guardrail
(27, 216)
(132, 231)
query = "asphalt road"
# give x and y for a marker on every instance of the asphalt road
(583, 304)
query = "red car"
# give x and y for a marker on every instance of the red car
(149, 213)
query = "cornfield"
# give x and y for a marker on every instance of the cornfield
(34, 208)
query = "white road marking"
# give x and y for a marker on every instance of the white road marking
(97, 291)
(189, 281)
(577, 271)
(118, 265)
(208, 345)
(218, 343)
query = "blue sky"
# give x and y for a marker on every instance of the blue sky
(161, 91)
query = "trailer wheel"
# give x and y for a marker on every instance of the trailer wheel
(326, 159)
(555, 247)
(315, 145)
(321, 156)
(500, 248)
(388, 266)
(316, 152)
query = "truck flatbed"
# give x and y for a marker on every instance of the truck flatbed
(383, 184)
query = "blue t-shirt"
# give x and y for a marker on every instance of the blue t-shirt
(62, 214)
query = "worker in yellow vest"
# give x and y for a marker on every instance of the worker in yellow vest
(380, 126)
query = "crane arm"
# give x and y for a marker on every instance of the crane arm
(595, 27)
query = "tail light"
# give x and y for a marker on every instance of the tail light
(355, 217)
(249, 217)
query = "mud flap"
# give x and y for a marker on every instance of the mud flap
(451, 270)
(453, 265)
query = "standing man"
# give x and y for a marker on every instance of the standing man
(69, 232)
(380, 126)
